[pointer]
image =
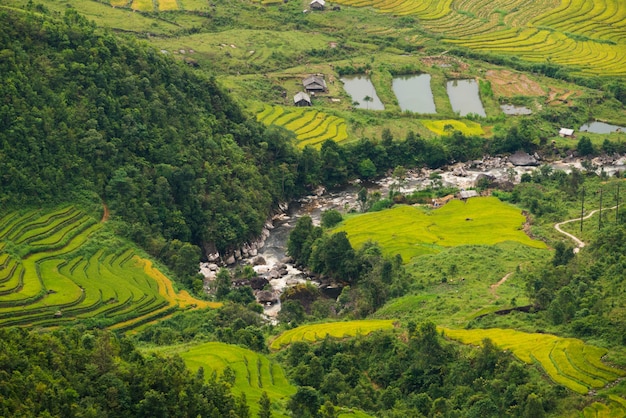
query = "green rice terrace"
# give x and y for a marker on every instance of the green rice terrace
(254, 373)
(311, 127)
(585, 34)
(567, 361)
(55, 270)
(413, 231)
(317, 332)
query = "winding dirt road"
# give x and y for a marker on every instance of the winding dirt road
(579, 244)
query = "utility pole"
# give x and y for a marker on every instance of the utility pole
(600, 217)
(582, 210)
(617, 206)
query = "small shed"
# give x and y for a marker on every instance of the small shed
(566, 133)
(317, 4)
(466, 194)
(301, 99)
(314, 83)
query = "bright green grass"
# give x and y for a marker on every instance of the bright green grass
(559, 357)
(254, 372)
(447, 126)
(318, 332)
(414, 231)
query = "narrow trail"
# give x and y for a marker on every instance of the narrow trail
(105, 214)
(495, 286)
(579, 243)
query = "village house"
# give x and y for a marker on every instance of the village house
(314, 84)
(317, 4)
(438, 202)
(466, 194)
(301, 99)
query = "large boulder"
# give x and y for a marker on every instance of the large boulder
(521, 158)
(266, 297)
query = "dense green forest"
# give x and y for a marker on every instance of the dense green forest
(88, 115)
(81, 373)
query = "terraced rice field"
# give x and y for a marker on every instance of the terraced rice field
(587, 35)
(53, 272)
(448, 126)
(311, 127)
(412, 231)
(165, 5)
(568, 361)
(425, 9)
(142, 5)
(615, 407)
(318, 332)
(254, 372)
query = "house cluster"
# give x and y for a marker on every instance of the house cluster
(312, 84)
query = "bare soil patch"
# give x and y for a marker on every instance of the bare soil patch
(562, 96)
(508, 84)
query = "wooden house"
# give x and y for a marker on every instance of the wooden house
(301, 99)
(566, 133)
(314, 84)
(317, 4)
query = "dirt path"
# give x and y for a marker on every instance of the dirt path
(105, 214)
(579, 243)
(495, 286)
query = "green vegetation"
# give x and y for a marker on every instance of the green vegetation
(311, 127)
(126, 124)
(75, 371)
(318, 332)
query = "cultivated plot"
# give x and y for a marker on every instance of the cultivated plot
(54, 270)
(317, 332)
(568, 361)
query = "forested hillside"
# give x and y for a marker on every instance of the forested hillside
(87, 114)
(93, 374)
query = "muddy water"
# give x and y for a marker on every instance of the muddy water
(414, 93)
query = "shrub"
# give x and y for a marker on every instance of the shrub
(331, 218)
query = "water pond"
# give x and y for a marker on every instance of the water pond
(515, 110)
(414, 93)
(464, 97)
(601, 128)
(360, 87)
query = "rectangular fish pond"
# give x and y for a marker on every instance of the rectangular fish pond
(464, 97)
(362, 91)
(414, 93)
